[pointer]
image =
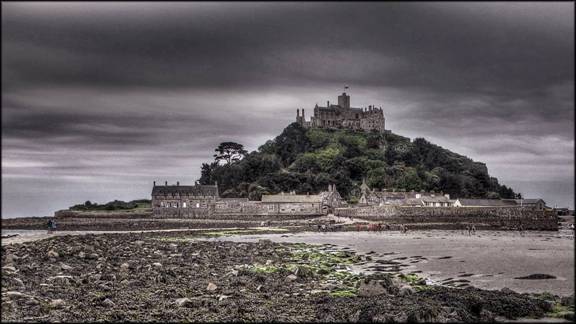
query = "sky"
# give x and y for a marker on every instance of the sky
(101, 99)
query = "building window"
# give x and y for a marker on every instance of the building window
(183, 205)
(197, 205)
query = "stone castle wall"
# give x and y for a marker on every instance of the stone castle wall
(502, 217)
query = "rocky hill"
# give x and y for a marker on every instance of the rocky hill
(307, 160)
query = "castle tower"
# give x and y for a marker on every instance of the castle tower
(344, 100)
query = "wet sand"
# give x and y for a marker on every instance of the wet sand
(488, 260)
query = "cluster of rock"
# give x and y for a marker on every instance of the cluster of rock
(167, 277)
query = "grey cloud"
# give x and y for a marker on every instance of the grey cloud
(118, 92)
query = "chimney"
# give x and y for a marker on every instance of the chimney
(154, 183)
(328, 104)
(298, 112)
(166, 183)
(177, 183)
(303, 118)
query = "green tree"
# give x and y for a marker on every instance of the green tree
(229, 152)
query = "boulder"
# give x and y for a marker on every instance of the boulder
(52, 254)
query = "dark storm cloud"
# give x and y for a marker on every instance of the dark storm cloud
(149, 89)
(411, 45)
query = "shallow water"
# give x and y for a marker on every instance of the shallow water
(488, 260)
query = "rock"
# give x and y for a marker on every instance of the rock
(567, 301)
(211, 287)
(64, 280)
(9, 259)
(157, 265)
(124, 267)
(303, 272)
(65, 266)
(18, 282)
(406, 290)
(507, 290)
(222, 297)
(184, 302)
(486, 316)
(291, 277)
(108, 303)
(139, 243)
(52, 254)
(268, 262)
(57, 303)
(259, 288)
(92, 256)
(16, 294)
(81, 255)
(369, 288)
(9, 269)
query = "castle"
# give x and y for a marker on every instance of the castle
(342, 116)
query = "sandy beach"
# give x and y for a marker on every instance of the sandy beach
(488, 260)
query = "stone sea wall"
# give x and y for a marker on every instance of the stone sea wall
(503, 217)
(130, 213)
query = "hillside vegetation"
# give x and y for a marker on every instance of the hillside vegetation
(112, 205)
(307, 160)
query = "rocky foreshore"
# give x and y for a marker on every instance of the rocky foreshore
(179, 277)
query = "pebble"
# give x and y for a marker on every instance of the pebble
(211, 287)
(65, 266)
(53, 254)
(291, 277)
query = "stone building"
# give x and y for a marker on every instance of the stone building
(536, 204)
(183, 201)
(403, 198)
(292, 204)
(485, 203)
(343, 116)
(331, 199)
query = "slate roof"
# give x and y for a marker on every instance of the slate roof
(487, 202)
(288, 198)
(196, 190)
(436, 199)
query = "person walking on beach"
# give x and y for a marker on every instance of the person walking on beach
(469, 229)
(51, 226)
(521, 229)
(473, 229)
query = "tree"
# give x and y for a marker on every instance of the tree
(229, 152)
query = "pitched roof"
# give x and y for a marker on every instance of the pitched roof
(436, 199)
(487, 202)
(288, 198)
(196, 190)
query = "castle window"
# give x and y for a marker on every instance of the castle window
(183, 205)
(356, 116)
